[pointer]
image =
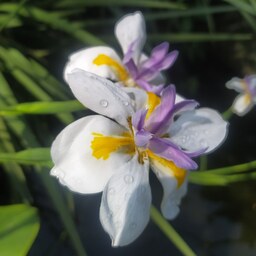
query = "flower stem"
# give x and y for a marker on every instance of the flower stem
(170, 232)
(227, 114)
(234, 169)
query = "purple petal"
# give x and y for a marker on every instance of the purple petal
(168, 60)
(144, 85)
(138, 119)
(159, 60)
(157, 89)
(196, 153)
(132, 68)
(169, 151)
(185, 105)
(157, 54)
(142, 138)
(130, 52)
(162, 112)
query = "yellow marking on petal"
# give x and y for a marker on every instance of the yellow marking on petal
(179, 173)
(248, 97)
(152, 102)
(103, 59)
(102, 146)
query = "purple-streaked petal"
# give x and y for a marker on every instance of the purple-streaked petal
(142, 138)
(167, 150)
(157, 89)
(144, 85)
(157, 54)
(138, 119)
(161, 114)
(132, 68)
(182, 106)
(168, 60)
(152, 67)
(129, 29)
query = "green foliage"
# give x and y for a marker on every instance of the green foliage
(19, 225)
(36, 38)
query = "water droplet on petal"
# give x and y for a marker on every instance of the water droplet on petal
(104, 103)
(111, 191)
(183, 139)
(128, 179)
(126, 103)
(203, 143)
(206, 132)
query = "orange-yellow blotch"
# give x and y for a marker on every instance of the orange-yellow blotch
(179, 173)
(248, 97)
(152, 102)
(102, 146)
(120, 71)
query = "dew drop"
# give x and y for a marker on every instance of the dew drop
(203, 143)
(126, 103)
(111, 191)
(104, 103)
(206, 132)
(128, 179)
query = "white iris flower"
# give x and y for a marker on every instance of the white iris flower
(112, 152)
(247, 94)
(135, 69)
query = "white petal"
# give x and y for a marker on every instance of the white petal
(72, 155)
(242, 104)
(101, 95)
(129, 29)
(172, 193)
(83, 59)
(237, 84)
(202, 128)
(138, 96)
(125, 205)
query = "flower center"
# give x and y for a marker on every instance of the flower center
(120, 71)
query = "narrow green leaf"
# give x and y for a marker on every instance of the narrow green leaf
(40, 108)
(242, 6)
(132, 3)
(200, 37)
(170, 232)
(19, 226)
(33, 156)
(239, 168)
(55, 22)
